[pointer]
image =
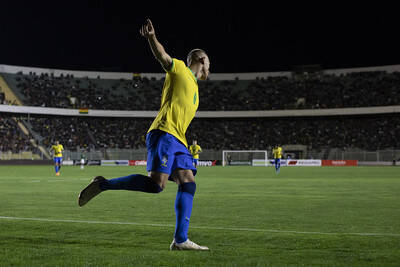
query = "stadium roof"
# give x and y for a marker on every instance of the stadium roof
(104, 36)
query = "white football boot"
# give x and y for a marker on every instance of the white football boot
(187, 245)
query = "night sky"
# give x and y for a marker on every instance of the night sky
(104, 35)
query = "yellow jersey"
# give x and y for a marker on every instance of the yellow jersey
(179, 101)
(195, 151)
(277, 152)
(57, 150)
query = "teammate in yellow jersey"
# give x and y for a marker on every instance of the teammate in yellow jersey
(57, 149)
(277, 152)
(168, 157)
(195, 150)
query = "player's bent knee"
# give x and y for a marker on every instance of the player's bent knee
(183, 176)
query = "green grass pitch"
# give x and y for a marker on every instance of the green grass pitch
(248, 216)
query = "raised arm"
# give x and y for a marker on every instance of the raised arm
(158, 50)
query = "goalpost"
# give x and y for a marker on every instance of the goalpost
(245, 157)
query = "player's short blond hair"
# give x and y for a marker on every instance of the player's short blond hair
(195, 54)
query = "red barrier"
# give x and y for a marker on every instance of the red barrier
(345, 162)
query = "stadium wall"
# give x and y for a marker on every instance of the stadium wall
(213, 76)
(26, 162)
(203, 114)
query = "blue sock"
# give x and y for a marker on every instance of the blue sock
(183, 210)
(56, 168)
(134, 182)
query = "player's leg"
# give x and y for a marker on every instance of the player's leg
(183, 210)
(154, 183)
(160, 158)
(183, 203)
(57, 165)
(183, 174)
(279, 165)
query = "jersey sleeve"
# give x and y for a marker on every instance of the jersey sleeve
(176, 66)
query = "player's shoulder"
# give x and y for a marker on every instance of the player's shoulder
(177, 65)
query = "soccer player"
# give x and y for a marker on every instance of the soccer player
(195, 150)
(57, 148)
(82, 161)
(168, 157)
(277, 152)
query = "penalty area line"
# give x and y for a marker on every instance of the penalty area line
(197, 227)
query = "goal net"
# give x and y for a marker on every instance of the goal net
(244, 157)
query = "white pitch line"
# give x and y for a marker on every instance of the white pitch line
(197, 227)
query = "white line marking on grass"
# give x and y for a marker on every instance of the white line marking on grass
(197, 227)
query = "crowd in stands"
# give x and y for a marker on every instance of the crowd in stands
(12, 139)
(78, 132)
(358, 89)
(367, 133)
(66, 91)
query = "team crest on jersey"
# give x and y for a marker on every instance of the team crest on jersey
(164, 161)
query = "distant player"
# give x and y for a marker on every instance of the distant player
(168, 157)
(57, 148)
(82, 161)
(229, 158)
(277, 152)
(195, 150)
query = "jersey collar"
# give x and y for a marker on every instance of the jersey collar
(192, 74)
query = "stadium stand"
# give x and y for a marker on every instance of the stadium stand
(359, 89)
(65, 91)
(370, 132)
(12, 139)
(361, 132)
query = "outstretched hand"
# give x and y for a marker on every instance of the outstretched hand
(147, 30)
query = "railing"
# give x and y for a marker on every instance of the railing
(8, 155)
(209, 154)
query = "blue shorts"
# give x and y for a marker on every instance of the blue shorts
(277, 161)
(196, 161)
(165, 153)
(58, 160)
